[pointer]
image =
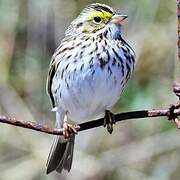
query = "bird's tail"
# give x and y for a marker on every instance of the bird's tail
(61, 153)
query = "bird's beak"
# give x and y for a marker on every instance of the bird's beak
(118, 18)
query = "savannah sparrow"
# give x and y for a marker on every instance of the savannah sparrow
(86, 76)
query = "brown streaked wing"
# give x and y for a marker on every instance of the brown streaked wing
(51, 73)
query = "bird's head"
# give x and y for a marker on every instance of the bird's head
(96, 18)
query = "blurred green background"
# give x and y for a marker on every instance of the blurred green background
(30, 30)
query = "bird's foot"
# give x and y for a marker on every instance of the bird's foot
(69, 129)
(109, 120)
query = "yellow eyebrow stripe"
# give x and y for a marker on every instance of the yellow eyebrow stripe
(103, 14)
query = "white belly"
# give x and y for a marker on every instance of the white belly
(89, 93)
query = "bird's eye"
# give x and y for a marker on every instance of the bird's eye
(97, 19)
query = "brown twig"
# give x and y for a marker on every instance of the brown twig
(90, 124)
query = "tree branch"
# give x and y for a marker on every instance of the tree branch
(94, 123)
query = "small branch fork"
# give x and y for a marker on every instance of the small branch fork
(176, 85)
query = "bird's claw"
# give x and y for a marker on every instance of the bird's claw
(109, 120)
(69, 129)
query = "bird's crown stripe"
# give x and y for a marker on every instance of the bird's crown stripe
(103, 14)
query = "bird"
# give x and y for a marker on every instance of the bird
(87, 74)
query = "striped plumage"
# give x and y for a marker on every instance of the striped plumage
(87, 74)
